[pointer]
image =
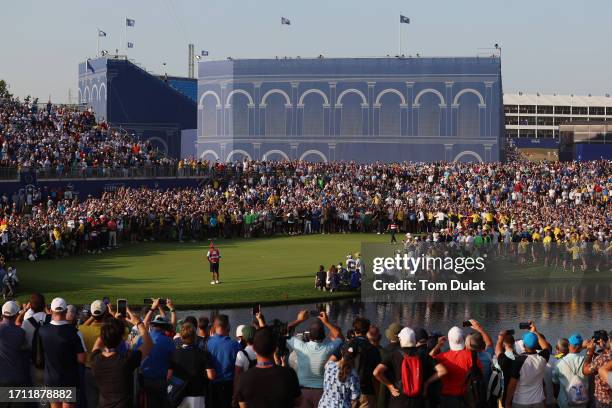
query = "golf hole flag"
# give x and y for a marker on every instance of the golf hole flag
(101, 33)
(404, 19)
(129, 22)
(204, 53)
(285, 21)
(130, 45)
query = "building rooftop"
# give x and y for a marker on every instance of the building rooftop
(556, 100)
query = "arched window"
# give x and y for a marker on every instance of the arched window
(468, 121)
(429, 115)
(209, 115)
(313, 115)
(390, 115)
(275, 115)
(239, 115)
(352, 119)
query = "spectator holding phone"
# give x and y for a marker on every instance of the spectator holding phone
(526, 385)
(90, 331)
(312, 354)
(113, 371)
(593, 364)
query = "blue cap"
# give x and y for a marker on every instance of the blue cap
(530, 340)
(575, 340)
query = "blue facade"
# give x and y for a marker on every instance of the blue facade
(362, 109)
(129, 97)
(186, 86)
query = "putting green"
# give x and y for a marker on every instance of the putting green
(266, 270)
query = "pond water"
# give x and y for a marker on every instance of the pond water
(554, 320)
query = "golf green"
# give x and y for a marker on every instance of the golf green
(266, 270)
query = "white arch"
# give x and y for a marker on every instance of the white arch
(275, 151)
(351, 90)
(468, 90)
(204, 95)
(308, 92)
(278, 91)
(390, 90)
(209, 151)
(237, 91)
(161, 141)
(316, 152)
(235, 151)
(94, 93)
(468, 153)
(429, 90)
(102, 85)
(86, 94)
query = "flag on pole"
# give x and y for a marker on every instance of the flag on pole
(204, 53)
(130, 45)
(129, 22)
(285, 21)
(101, 33)
(404, 19)
(89, 66)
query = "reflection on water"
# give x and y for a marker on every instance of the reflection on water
(554, 320)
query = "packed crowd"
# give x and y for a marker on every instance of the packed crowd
(120, 358)
(59, 140)
(571, 201)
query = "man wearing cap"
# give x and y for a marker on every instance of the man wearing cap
(63, 348)
(223, 350)
(154, 368)
(389, 371)
(312, 354)
(526, 386)
(568, 367)
(246, 358)
(14, 367)
(214, 259)
(90, 332)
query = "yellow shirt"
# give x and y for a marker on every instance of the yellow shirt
(90, 335)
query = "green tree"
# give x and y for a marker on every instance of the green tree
(4, 93)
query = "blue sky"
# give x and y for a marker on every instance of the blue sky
(548, 46)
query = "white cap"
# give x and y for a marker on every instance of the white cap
(10, 308)
(98, 308)
(407, 337)
(456, 340)
(239, 330)
(59, 305)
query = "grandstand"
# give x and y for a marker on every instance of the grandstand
(363, 109)
(151, 107)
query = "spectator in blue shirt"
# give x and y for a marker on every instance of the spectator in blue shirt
(14, 367)
(312, 354)
(154, 368)
(223, 350)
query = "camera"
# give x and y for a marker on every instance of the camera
(510, 332)
(467, 323)
(524, 325)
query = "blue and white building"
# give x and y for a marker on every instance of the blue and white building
(362, 109)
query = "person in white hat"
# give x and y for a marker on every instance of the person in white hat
(14, 369)
(63, 348)
(90, 332)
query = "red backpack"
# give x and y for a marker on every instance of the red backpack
(412, 375)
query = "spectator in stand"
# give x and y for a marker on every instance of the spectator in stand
(63, 349)
(267, 385)
(223, 350)
(31, 317)
(603, 390)
(568, 370)
(194, 366)
(112, 370)
(14, 365)
(526, 386)
(312, 354)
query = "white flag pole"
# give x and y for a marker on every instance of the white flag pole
(399, 47)
(98, 42)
